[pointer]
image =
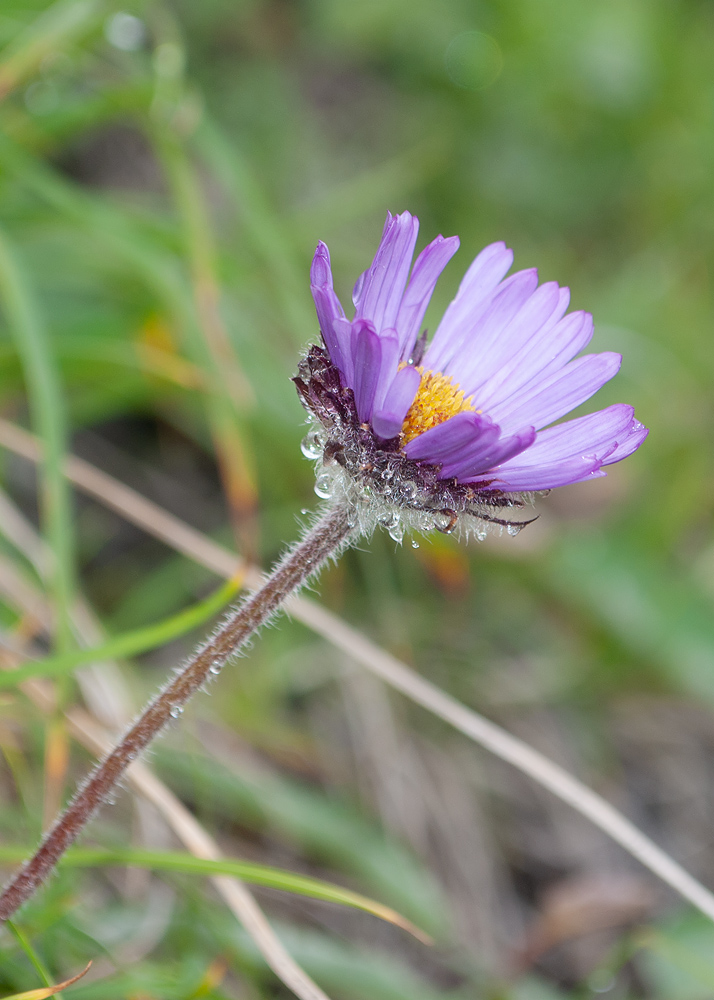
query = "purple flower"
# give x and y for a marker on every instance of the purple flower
(499, 370)
(447, 435)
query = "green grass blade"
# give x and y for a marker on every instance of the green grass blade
(129, 643)
(34, 958)
(210, 339)
(52, 30)
(113, 229)
(45, 396)
(324, 827)
(273, 878)
(261, 224)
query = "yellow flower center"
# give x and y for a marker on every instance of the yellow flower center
(438, 398)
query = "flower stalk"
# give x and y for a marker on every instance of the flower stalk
(326, 539)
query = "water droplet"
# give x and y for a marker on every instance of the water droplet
(602, 982)
(124, 31)
(324, 485)
(415, 543)
(176, 711)
(408, 489)
(312, 444)
(445, 522)
(396, 531)
(514, 529)
(389, 520)
(216, 667)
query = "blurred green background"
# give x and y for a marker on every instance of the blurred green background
(166, 170)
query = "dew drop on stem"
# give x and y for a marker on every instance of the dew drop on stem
(324, 485)
(408, 489)
(446, 523)
(312, 444)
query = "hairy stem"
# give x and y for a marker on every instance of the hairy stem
(305, 558)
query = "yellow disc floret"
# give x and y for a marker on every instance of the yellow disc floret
(438, 398)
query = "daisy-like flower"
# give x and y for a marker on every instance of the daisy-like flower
(446, 435)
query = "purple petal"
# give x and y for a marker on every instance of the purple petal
(328, 309)
(327, 305)
(506, 331)
(545, 354)
(367, 359)
(574, 450)
(594, 434)
(473, 463)
(478, 285)
(626, 445)
(457, 432)
(425, 273)
(342, 337)
(554, 351)
(546, 477)
(320, 269)
(548, 400)
(504, 360)
(387, 422)
(485, 323)
(472, 451)
(358, 286)
(388, 366)
(379, 293)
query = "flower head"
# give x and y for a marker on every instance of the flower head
(449, 434)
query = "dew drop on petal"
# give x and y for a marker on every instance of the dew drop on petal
(324, 486)
(312, 444)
